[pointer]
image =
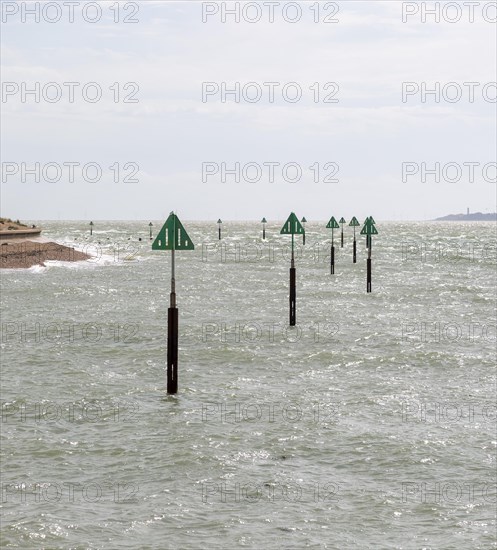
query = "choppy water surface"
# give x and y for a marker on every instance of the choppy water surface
(372, 424)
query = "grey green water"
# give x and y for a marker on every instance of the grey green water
(372, 424)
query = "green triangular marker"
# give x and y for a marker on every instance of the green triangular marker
(173, 236)
(263, 220)
(354, 222)
(292, 226)
(303, 220)
(332, 224)
(342, 220)
(369, 228)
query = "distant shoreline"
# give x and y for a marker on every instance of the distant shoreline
(472, 217)
(17, 235)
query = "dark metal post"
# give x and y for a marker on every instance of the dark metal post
(172, 350)
(172, 335)
(293, 291)
(368, 278)
(354, 250)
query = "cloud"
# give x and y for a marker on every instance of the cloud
(170, 131)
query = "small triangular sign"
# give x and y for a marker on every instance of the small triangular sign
(292, 226)
(303, 220)
(332, 224)
(173, 236)
(369, 228)
(354, 222)
(263, 220)
(342, 220)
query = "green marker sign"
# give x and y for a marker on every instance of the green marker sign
(369, 228)
(354, 223)
(367, 236)
(332, 224)
(342, 221)
(173, 236)
(292, 227)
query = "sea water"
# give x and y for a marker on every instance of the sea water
(370, 424)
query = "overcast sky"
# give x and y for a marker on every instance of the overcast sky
(171, 142)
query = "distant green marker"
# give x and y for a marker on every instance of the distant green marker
(367, 238)
(292, 227)
(332, 224)
(341, 222)
(369, 230)
(354, 223)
